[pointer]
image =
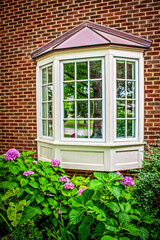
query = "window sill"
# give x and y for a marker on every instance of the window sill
(92, 144)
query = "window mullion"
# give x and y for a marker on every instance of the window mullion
(88, 102)
(75, 100)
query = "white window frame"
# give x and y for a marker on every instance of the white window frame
(103, 99)
(40, 103)
(137, 113)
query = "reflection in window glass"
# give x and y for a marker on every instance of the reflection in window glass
(126, 90)
(44, 123)
(44, 76)
(82, 85)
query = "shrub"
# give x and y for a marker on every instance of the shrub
(148, 187)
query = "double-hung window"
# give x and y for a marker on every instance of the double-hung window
(46, 101)
(126, 119)
(83, 99)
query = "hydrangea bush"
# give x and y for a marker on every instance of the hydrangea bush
(67, 208)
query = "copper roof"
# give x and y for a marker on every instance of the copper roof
(91, 34)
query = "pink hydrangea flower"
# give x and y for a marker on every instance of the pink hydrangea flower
(128, 181)
(81, 190)
(11, 154)
(64, 179)
(28, 173)
(55, 162)
(120, 174)
(69, 186)
(35, 162)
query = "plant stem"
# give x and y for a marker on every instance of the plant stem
(6, 222)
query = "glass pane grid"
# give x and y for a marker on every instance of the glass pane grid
(86, 79)
(126, 99)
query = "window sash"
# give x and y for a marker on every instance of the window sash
(46, 106)
(127, 119)
(75, 99)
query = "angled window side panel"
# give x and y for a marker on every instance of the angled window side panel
(82, 105)
(46, 106)
(126, 99)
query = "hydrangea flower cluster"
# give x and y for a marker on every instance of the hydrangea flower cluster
(35, 162)
(55, 162)
(69, 186)
(64, 179)
(120, 174)
(81, 190)
(28, 173)
(128, 181)
(11, 154)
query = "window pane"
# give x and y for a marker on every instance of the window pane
(130, 70)
(50, 92)
(120, 69)
(44, 126)
(69, 109)
(96, 109)
(82, 129)
(69, 129)
(131, 89)
(82, 109)
(49, 110)
(50, 74)
(44, 93)
(82, 90)
(120, 109)
(121, 89)
(95, 89)
(130, 109)
(95, 69)
(44, 76)
(44, 110)
(69, 90)
(131, 128)
(82, 70)
(120, 128)
(69, 71)
(96, 129)
(50, 130)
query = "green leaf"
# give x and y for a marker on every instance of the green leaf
(147, 219)
(75, 216)
(96, 184)
(124, 238)
(144, 234)
(84, 228)
(132, 229)
(87, 195)
(127, 207)
(34, 184)
(52, 202)
(14, 169)
(39, 198)
(75, 202)
(29, 190)
(107, 237)
(29, 213)
(24, 182)
(52, 190)
(111, 228)
(100, 215)
(47, 211)
(116, 191)
(43, 181)
(9, 185)
(100, 175)
(124, 218)
(45, 203)
(135, 217)
(113, 206)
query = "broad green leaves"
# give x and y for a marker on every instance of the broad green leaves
(29, 213)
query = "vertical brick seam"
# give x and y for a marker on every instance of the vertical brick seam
(27, 25)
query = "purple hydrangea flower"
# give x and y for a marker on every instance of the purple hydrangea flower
(11, 154)
(69, 186)
(120, 174)
(35, 162)
(128, 181)
(28, 173)
(55, 162)
(81, 190)
(64, 179)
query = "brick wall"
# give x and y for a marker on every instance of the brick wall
(29, 24)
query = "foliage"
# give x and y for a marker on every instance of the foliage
(38, 200)
(148, 186)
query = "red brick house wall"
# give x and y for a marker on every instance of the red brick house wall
(28, 24)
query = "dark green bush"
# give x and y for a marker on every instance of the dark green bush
(147, 191)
